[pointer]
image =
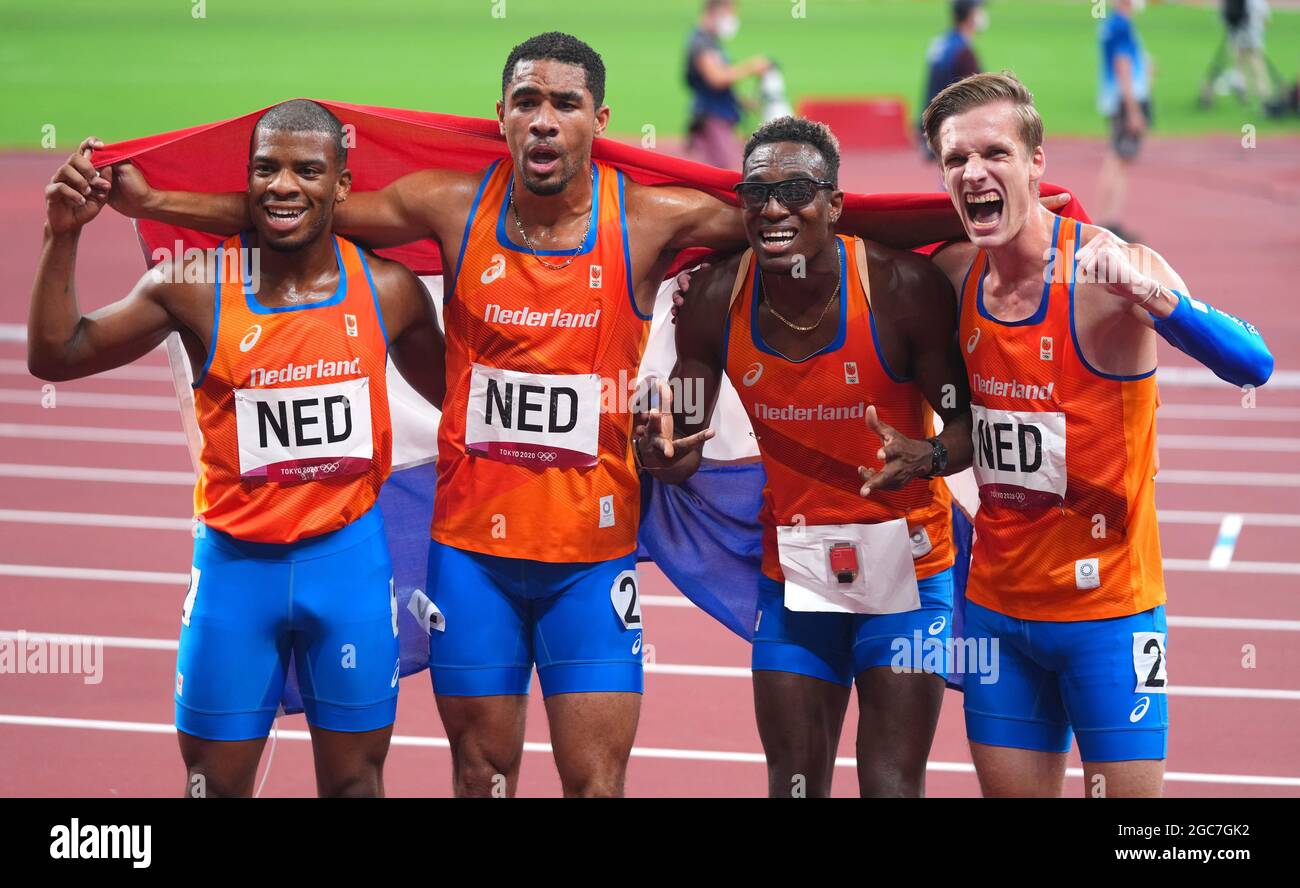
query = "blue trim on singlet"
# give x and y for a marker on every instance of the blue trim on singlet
(469, 223)
(340, 292)
(880, 356)
(627, 252)
(216, 321)
(1037, 316)
(827, 349)
(587, 245)
(1074, 335)
(374, 292)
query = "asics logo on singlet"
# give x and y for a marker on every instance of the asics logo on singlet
(250, 338)
(973, 340)
(937, 626)
(991, 385)
(495, 270)
(1139, 710)
(259, 377)
(752, 374)
(528, 317)
(636, 646)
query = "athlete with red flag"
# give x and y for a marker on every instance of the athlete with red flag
(288, 330)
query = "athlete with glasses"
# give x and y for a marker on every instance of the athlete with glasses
(838, 348)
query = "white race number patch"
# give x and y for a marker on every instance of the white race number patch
(1149, 662)
(188, 607)
(626, 600)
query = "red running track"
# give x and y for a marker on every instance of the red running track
(1219, 213)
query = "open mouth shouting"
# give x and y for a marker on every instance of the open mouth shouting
(542, 159)
(283, 218)
(984, 210)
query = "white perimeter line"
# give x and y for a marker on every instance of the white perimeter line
(32, 397)
(1228, 444)
(1201, 377)
(1227, 479)
(1254, 519)
(648, 752)
(96, 434)
(134, 372)
(186, 479)
(95, 519)
(686, 669)
(98, 519)
(1229, 412)
(1226, 543)
(91, 473)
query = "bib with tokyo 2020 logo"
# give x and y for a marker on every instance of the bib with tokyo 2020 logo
(1019, 457)
(1064, 456)
(534, 450)
(533, 419)
(292, 406)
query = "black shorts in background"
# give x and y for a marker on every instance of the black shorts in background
(1125, 143)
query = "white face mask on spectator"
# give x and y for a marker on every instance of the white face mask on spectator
(728, 25)
(1139, 6)
(981, 20)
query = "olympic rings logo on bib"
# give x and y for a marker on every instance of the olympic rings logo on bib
(533, 419)
(1019, 457)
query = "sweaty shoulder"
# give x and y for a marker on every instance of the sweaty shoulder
(906, 284)
(664, 212)
(400, 292)
(954, 260)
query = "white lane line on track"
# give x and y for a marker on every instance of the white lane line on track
(105, 400)
(93, 434)
(93, 473)
(95, 519)
(1226, 543)
(1227, 479)
(1229, 412)
(132, 372)
(692, 670)
(1202, 377)
(1195, 565)
(644, 752)
(1228, 444)
(1254, 519)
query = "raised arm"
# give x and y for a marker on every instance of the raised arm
(1149, 292)
(426, 203)
(62, 343)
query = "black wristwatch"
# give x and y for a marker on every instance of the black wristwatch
(938, 457)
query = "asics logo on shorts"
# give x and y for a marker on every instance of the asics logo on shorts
(250, 338)
(1139, 710)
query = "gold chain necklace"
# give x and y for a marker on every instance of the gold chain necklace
(529, 244)
(783, 319)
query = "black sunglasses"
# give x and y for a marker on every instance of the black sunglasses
(794, 194)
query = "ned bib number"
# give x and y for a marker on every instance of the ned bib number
(1019, 457)
(304, 433)
(533, 419)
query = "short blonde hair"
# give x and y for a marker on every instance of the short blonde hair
(984, 89)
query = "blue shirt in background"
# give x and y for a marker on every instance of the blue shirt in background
(1118, 37)
(705, 100)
